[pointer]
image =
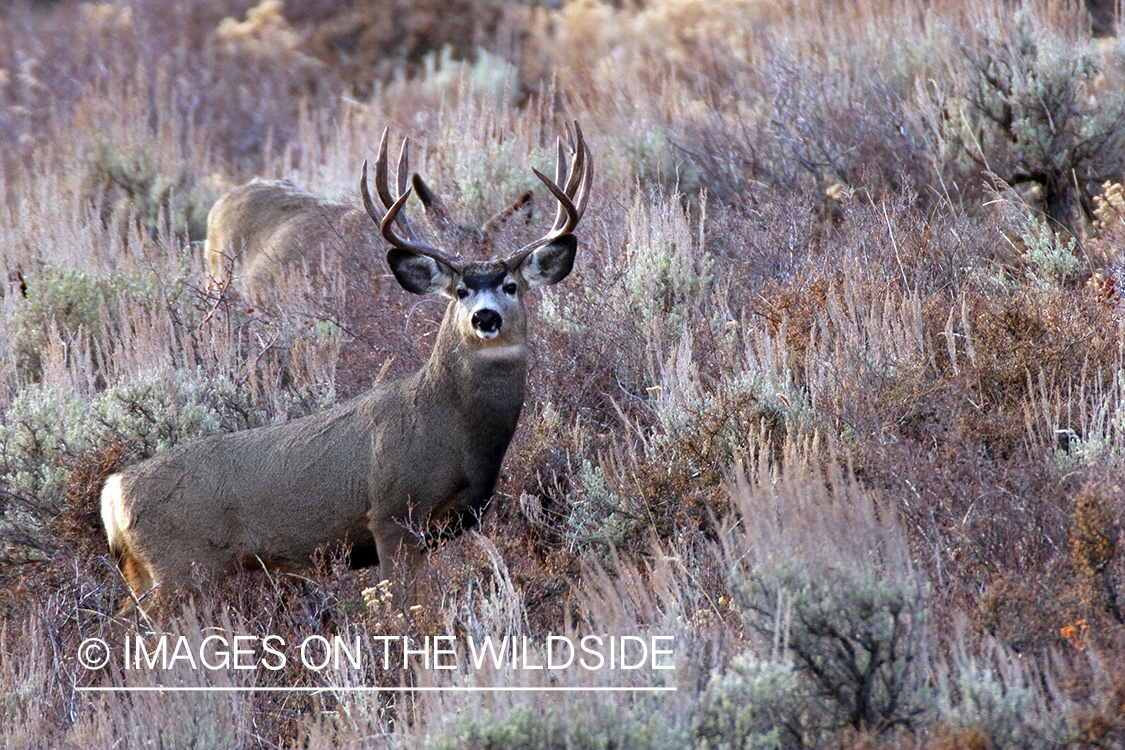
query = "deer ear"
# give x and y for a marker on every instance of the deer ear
(549, 264)
(420, 274)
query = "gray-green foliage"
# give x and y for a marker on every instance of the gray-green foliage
(586, 724)
(598, 515)
(1002, 696)
(704, 424)
(520, 729)
(654, 160)
(482, 181)
(1039, 111)
(126, 182)
(36, 435)
(855, 641)
(46, 427)
(164, 409)
(185, 720)
(70, 302)
(665, 272)
(70, 299)
(754, 704)
(1051, 255)
(491, 77)
(81, 307)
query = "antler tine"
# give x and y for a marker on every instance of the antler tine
(581, 176)
(581, 152)
(385, 221)
(383, 189)
(566, 216)
(587, 178)
(560, 179)
(401, 187)
(579, 180)
(386, 228)
(577, 188)
(403, 165)
(381, 172)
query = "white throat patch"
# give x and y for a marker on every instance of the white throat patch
(509, 351)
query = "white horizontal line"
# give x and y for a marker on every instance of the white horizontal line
(354, 689)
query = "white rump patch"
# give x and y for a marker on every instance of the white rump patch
(115, 518)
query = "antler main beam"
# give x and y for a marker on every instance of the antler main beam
(572, 198)
(394, 204)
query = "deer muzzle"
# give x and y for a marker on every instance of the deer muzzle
(486, 323)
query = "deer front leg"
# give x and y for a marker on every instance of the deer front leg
(402, 561)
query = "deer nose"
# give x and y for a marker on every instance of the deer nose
(487, 322)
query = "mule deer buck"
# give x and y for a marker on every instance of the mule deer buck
(259, 230)
(410, 455)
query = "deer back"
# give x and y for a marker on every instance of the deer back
(259, 230)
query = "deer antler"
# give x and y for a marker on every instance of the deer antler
(394, 204)
(571, 188)
(572, 198)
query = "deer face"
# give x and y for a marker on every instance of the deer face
(490, 301)
(487, 297)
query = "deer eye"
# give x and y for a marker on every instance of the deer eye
(510, 288)
(462, 292)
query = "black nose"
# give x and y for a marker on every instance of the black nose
(487, 321)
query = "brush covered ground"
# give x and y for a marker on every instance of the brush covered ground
(834, 397)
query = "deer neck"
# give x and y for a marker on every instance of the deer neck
(485, 378)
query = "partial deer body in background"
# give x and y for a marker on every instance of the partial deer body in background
(409, 455)
(259, 230)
